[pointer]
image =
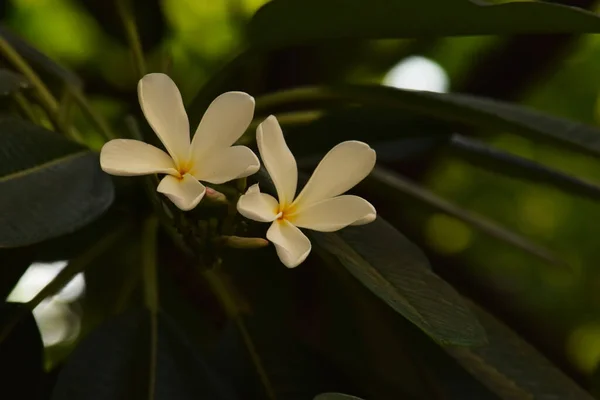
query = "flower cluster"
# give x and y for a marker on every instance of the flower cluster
(211, 157)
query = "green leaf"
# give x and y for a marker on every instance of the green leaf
(43, 64)
(396, 271)
(335, 396)
(11, 82)
(292, 22)
(469, 110)
(21, 355)
(394, 134)
(512, 368)
(112, 363)
(49, 186)
(501, 162)
(383, 179)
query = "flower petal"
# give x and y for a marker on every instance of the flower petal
(278, 159)
(341, 169)
(128, 157)
(227, 164)
(184, 192)
(225, 120)
(291, 244)
(258, 206)
(163, 107)
(330, 215)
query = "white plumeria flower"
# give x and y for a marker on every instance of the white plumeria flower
(210, 157)
(319, 205)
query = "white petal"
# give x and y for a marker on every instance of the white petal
(261, 207)
(163, 107)
(291, 244)
(330, 215)
(340, 170)
(128, 157)
(258, 206)
(278, 159)
(227, 164)
(184, 192)
(225, 120)
(253, 189)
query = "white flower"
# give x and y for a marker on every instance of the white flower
(319, 205)
(210, 156)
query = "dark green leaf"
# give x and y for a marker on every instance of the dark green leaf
(470, 110)
(11, 82)
(504, 163)
(21, 355)
(397, 272)
(291, 22)
(113, 363)
(49, 186)
(512, 368)
(13, 264)
(394, 134)
(395, 183)
(335, 396)
(43, 64)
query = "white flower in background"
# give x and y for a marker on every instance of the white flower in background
(210, 157)
(319, 205)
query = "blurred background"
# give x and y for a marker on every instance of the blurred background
(557, 309)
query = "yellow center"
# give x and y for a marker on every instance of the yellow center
(286, 211)
(183, 168)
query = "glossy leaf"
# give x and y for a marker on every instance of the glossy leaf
(396, 271)
(395, 182)
(113, 363)
(392, 133)
(501, 162)
(292, 22)
(512, 368)
(49, 186)
(469, 110)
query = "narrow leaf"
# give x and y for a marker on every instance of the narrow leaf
(470, 110)
(49, 186)
(292, 22)
(512, 368)
(398, 183)
(396, 271)
(485, 156)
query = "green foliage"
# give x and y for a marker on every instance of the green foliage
(36, 205)
(398, 272)
(295, 21)
(387, 310)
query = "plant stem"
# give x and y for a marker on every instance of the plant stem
(230, 306)
(46, 98)
(86, 107)
(128, 19)
(25, 107)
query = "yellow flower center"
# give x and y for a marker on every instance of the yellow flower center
(286, 212)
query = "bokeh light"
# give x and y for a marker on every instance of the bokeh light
(418, 73)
